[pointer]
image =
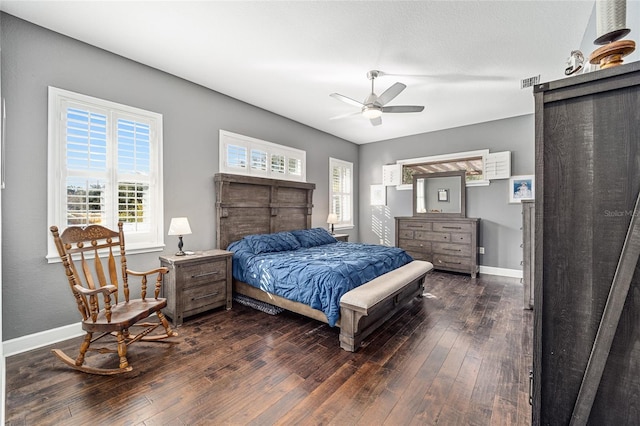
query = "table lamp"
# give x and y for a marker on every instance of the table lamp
(179, 226)
(611, 16)
(332, 219)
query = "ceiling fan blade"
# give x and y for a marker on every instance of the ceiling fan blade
(349, 114)
(346, 100)
(376, 121)
(391, 93)
(403, 108)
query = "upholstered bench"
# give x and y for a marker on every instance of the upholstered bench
(364, 308)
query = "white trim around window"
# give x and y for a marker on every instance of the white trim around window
(105, 166)
(341, 191)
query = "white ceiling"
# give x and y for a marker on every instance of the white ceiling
(462, 60)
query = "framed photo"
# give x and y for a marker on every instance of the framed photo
(378, 195)
(443, 195)
(521, 188)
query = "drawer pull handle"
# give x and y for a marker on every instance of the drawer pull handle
(206, 295)
(451, 227)
(206, 274)
(414, 226)
(450, 249)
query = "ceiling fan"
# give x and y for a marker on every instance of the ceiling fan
(374, 105)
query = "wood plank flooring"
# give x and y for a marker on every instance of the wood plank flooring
(460, 356)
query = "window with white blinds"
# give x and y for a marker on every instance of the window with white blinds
(341, 191)
(244, 155)
(105, 166)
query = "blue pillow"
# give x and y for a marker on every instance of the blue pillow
(267, 243)
(313, 237)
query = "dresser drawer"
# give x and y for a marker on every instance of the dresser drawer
(461, 238)
(433, 236)
(202, 273)
(415, 225)
(199, 298)
(452, 249)
(417, 245)
(451, 262)
(451, 227)
(420, 255)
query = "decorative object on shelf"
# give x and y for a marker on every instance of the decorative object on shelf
(332, 219)
(179, 226)
(611, 18)
(521, 188)
(574, 63)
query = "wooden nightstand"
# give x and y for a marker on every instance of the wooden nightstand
(196, 283)
(341, 237)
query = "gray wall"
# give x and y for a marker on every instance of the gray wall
(500, 224)
(35, 294)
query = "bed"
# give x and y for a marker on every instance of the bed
(253, 207)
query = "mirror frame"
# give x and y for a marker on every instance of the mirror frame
(463, 190)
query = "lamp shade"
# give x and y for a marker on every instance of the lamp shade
(179, 226)
(611, 18)
(332, 218)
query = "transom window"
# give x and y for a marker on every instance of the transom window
(104, 167)
(244, 155)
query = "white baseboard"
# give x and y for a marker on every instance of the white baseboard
(503, 272)
(43, 338)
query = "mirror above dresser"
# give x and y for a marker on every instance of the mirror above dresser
(442, 193)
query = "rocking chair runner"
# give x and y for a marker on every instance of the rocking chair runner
(98, 300)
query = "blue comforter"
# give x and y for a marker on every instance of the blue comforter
(316, 276)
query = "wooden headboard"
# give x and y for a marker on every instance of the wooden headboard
(248, 205)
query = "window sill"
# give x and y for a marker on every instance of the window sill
(54, 258)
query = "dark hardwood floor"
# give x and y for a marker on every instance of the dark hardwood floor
(460, 356)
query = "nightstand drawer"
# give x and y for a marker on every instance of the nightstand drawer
(199, 298)
(206, 272)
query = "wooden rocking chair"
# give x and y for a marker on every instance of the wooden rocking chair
(102, 310)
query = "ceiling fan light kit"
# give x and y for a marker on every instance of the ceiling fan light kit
(371, 112)
(374, 106)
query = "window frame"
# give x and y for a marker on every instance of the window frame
(272, 151)
(59, 100)
(335, 162)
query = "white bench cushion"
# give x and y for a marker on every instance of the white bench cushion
(379, 288)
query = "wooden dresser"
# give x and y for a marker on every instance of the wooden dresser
(586, 329)
(196, 283)
(451, 244)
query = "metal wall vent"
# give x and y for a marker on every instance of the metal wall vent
(529, 82)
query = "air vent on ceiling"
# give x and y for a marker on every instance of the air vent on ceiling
(529, 82)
